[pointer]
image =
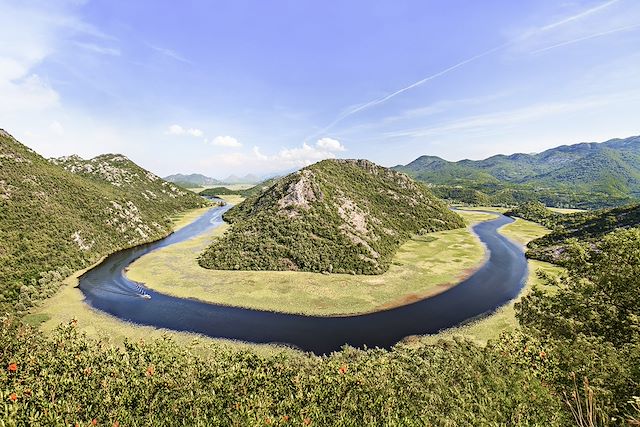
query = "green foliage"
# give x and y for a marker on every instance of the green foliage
(598, 296)
(70, 379)
(590, 319)
(62, 215)
(536, 212)
(459, 194)
(334, 216)
(508, 194)
(219, 191)
(187, 184)
(584, 175)
(589, 227)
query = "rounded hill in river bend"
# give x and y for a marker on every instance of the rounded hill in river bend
(335, 216)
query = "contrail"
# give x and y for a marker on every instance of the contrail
(579, 15)
(466, 61)
(404, 89)
(591, 36)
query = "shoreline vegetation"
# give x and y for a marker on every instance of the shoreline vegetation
(491, 326)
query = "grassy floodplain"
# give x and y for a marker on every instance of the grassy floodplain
(422, 267)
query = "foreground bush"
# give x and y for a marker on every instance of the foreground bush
(68, 379)
(591, 321)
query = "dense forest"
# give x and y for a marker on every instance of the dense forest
(194, 179)
(64, 214)
(508, 195)
(346, 216)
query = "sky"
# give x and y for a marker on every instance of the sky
(252, 86)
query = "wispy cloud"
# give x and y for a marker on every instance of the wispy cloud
(170, 54)
(501, 120)
(179, 130)
(102, 50)
(387, 97)
(226, 141)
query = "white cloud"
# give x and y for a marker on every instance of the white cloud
(330, 144)
(176, 130)
(95, 48)
(226, 141)
(287, 159)
(28, 94)
(306, 154)
(23, 91)
(179, 130)
(258, 154)
(170, 54)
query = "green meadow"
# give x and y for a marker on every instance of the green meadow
(422, 267)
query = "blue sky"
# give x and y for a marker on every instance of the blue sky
(222, 87)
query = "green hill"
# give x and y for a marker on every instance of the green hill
(590, 227)
(64, 214)
(536, 212)
(586, 174)
(196, 179)
(346, 216)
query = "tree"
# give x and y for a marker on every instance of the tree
(599, 296)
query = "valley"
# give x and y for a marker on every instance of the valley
(438, 275)
(319, 214)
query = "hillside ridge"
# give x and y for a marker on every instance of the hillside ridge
(346, 216)
(63, 214)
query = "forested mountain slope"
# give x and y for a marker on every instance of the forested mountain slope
(64, 214)
(603, 170)
(345, 216)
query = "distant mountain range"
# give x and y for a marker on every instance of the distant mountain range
(198, 180)
(611, 168)
(195, 179)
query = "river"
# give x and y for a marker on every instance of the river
(496, 282)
